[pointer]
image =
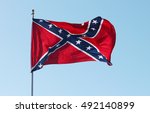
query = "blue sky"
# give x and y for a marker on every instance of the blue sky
(129, 75)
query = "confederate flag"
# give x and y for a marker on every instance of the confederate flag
(61, 42)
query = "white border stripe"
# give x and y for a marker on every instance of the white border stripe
(57, 48)
(87, 29)
(83, 51)
(100, 26)
(48, 30)
(90, 44)
(39, 61)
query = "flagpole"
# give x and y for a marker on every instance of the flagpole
(32, 76)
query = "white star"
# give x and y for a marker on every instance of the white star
(78, 42)
(60, 31)
(50, 25)
(40, 65)
(57, 45)
(68, 35)
(93, 29)
(88, 48)
(100, 57)
(84, 35)
(40, 20)
(94, 22)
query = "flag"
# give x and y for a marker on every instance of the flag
(62, 42)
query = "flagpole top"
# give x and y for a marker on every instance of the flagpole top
(32, 13)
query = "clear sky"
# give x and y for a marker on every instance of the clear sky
(129, 75)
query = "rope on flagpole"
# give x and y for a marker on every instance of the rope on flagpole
(32, 76)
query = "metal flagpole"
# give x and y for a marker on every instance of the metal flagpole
(32, 84)
(32, 76)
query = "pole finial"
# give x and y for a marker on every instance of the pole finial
(32, 13)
